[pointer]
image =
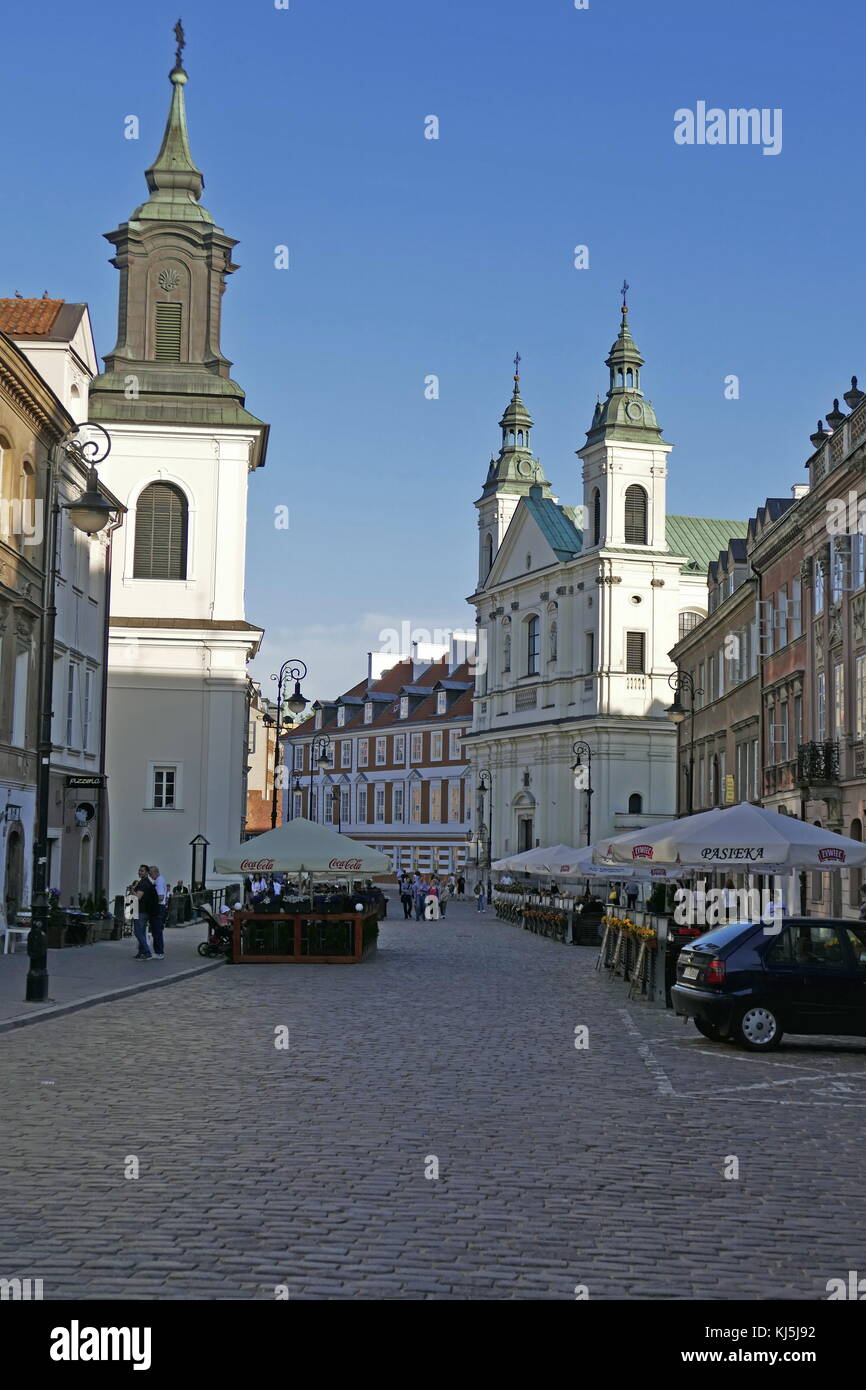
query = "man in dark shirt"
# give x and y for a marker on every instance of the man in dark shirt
(148, 911)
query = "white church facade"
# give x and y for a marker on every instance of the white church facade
(183, 447)
(577, 609)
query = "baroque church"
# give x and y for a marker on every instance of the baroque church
(577, 609)
(183, 447)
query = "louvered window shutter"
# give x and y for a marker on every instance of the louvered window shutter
(635, 515)
(168, 332)
(160, 533)
(634, 651)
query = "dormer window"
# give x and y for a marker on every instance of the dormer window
(441, 702)
(341, 716)
(368, 712)
(318, 719)
(404, 706)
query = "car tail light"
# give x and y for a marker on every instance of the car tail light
(715, 972)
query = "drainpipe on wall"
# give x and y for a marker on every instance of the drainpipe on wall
(99, 883)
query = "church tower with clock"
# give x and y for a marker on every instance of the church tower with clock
(509, 477)
(183, 448)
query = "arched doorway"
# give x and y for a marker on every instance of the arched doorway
(523, 810)
(14, 873)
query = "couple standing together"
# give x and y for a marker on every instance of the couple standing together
(151, 895)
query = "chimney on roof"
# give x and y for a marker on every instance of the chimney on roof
(799, 490)
(380, 662)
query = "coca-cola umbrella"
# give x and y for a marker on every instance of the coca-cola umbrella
(301, 846)
(744, 838)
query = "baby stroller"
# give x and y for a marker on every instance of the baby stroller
(219, 936)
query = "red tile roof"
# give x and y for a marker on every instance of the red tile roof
(29, 318)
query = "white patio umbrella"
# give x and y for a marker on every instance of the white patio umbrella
(301, 846)
(555, 859)
(562, 861)
(744, 838)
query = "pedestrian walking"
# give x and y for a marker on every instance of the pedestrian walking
(406, 899)
(444, 895)
(419, 893)
(461, 887)
(480, 902)
(158, 926)
(148, 910)
(631, 896)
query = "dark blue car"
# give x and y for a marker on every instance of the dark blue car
(747, 983)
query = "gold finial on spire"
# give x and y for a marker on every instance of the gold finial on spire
(624, 291)
(517, 361)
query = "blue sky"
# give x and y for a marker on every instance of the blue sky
(411, 257)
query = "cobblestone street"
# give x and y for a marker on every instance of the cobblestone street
(306, 1167)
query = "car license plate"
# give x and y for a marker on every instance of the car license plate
(691, 972)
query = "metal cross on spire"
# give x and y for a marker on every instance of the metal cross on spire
(624, 291)
(517, 360)
(181, 44)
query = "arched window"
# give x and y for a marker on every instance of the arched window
(488, 555)
(520, 438)
(635, 515)
(635, 804)
(629, 378)
(554, 643)
(506, 652)
(717, 781)
(533, 646)
(596, 516)
(687, 622)
(161, 525)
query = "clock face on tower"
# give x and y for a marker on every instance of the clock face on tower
(526, 468)
(634, 411)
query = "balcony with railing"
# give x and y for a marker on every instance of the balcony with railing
(818, 763)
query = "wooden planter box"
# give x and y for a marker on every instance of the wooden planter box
(315, 938)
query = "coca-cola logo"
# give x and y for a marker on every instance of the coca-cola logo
(345, 864)
(256, 865)
(642, 852)
(831, 856)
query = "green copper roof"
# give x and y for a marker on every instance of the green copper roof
(515, 412)
(516, 469)
(174, 179)
(556, 525)
(700, 538)
(625, 413)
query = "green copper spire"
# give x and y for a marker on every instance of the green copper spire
(174, 179)
(624, 414)
(516, 467)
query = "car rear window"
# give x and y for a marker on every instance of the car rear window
(720, 937)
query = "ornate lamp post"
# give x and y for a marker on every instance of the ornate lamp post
(320, 758)
(676, 713)
(485, 788)
(582, 770)
(294, 670)
(90, 512)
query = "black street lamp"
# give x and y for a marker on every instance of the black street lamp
(294, 670)
(320, 759)
(91, 512)
(583, 779)
(485, 787)
(677, 714)
(336, 813)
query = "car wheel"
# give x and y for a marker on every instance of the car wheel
(709, 1030)
(757, 1028)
